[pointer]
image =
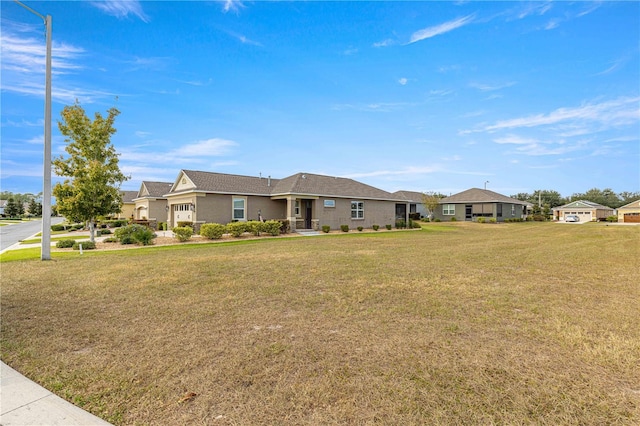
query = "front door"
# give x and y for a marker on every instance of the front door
(468, 212)
(308, 212)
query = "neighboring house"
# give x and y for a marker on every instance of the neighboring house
(416, 202)
(3, 204)
(150, 202)
(587, 211)
(629, 213)
(307, 201)
(128, 205)
(473, 203)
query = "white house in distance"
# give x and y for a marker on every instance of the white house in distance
(587, 211)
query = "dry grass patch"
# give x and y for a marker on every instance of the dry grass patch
(484, 324)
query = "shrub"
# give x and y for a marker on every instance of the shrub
(414, 216)
(213, 231)
(65, 243)
(135, 233)
(182, 224)
(360, 228)
(493, 220)
(110, 240)
(255, 227)
(344, 228)
(437, 219)
(236, 228)
(375, 227)
(481, 219)
(284, 226)
(58, 227)
(539, 217)
(326, 229)
(453, 219)
(86, 245)
(183, 233)
(612, 218)
(104, 232)
(272, 227)
(413, 224)
(400, 224)
(388, 227)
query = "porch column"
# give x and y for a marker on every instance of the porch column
(407, 213)
(291, 213)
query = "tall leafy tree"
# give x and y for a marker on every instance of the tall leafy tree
(35, 208)
(92, 187)
(12, 208)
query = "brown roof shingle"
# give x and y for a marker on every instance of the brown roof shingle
(477, 195)
(329, 186)
(156, 189)
(230, 184)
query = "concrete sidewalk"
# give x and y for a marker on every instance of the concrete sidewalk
(23, 402)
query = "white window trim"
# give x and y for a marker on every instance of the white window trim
(296, 208)
(244, 208)
(447, 211)
(357, 210)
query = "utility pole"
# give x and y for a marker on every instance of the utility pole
(45, 252)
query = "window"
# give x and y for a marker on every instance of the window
(181, 207)
(239, 205)
(513, 209)
(499, 210)
(297, 208)
(357, 210)
(448, 209)
(329, 203)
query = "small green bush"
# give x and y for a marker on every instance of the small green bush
(481, 219)
(493, 220)
(326, 229)
(388, 227)
(359, 228)
(86, 245)
(437, 220)
(135, 233)
(104, 231)
(453, 219)
(236, 229)
(375, 227)
(65, 243)
(183, 233)
(255, 227)
(110, 240)
(182, 224)
(414, 224)
(213, 231)
(344, 228)
(272, 227)
(612, 218)
(400, 224)
(58, 227)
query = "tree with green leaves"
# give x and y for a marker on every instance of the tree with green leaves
(92, 187)
(431, 200)
(35, 208)
(12, 208)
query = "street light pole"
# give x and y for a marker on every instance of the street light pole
(45, 252)
(485, 184)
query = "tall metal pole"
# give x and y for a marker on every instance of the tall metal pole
(45, 252)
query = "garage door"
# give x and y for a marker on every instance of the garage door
(632, 218)
(584, 216)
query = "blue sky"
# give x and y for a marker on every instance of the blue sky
(422, 96)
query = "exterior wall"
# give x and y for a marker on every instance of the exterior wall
(487, 210)
(157, 209)
(633, 210)
(585, 214)
(127, 211)
(142, 209)
(375, 213)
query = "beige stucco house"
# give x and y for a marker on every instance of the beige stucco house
(128, 205)
(629, 212)
(307, 201)
(586, 211)
(474, 203)
(150, 202)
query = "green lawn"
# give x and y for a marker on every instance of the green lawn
(525, 323)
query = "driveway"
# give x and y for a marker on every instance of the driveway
(13, 234)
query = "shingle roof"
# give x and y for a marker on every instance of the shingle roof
(329, 186)
(632, 205)
(155, 189)
(128, 196)
(230, 184)
(477, 195)
(416, 197)
(583, 204)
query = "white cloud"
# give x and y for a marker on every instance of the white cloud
(403, 81)
(411, 170)
(206, 148)
(491, 88)
(440, 29)
(232, 5)
(384, 43)
(121, 9)
(608, 114)
(350, 51)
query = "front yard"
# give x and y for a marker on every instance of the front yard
(461, 323)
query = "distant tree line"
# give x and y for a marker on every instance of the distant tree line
(606, 197)
(15, 206)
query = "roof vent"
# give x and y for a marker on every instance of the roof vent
(304, 176)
